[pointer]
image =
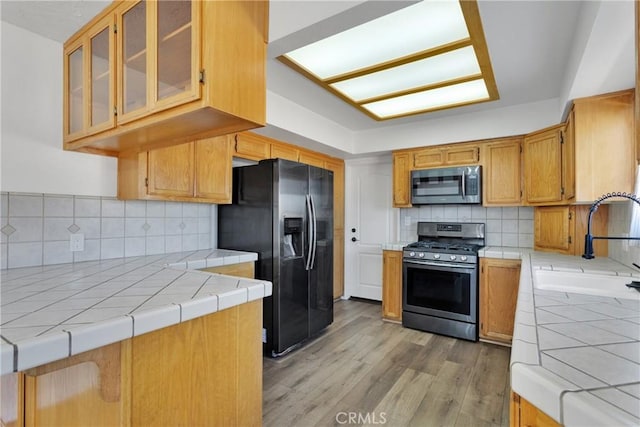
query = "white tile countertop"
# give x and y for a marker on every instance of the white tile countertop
(576, 356)
(394, 246)
(52, 312)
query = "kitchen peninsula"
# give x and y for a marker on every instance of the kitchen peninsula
(574, 358)
(133, 341)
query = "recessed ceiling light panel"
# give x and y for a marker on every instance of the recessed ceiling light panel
(460, 94)
(457, 64)
(428, 56)
(413, 29)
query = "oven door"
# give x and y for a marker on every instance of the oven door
(445, 290)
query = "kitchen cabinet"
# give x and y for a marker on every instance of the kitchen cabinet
(562, 229)
(545, 167)
(284, 151)
(603, 133)
(89, 83)
(523, 414)
(243, 269)
(198, 171)
(441, 156)
(164, 73)
(312, 159)
(392, 285)
(499, 280)
(337, 167)
(402, 179)
(501, 183)
(593, 154)
(251, 146)
(200, 372)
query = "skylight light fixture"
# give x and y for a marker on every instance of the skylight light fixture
(428, 56)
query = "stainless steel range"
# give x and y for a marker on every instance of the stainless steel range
(440, 279)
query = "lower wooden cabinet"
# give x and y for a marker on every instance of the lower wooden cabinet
(198, 171)
(523, 414)
(243, 269)
(499, 279)
(206, 371)
(392, 285)
(562, 229)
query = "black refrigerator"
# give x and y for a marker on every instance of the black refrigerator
(283, 211)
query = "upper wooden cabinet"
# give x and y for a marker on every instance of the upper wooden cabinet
(501, 183)
(198, 171)
(592, 155)
(89, 81)
(605, 151)
(250, 146)
(402, 179)
(158, 56)
(544, 173)
(148, 74)
(455, 155)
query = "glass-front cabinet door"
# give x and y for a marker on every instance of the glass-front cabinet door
(89, 86)
(159, 45)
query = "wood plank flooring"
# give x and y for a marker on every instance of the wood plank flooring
(379, 373)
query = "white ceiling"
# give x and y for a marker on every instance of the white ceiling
(536, 47)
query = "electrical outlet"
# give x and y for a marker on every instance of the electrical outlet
(76, 242)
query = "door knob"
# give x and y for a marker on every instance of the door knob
(353, 239)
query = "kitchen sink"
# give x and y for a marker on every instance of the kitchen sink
(585, 283)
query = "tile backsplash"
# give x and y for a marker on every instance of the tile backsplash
(35, 229)
(507, 226)
(623, 251)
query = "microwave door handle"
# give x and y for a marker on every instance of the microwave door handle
(464, 193)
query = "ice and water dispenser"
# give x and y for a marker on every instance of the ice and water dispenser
(293, 242)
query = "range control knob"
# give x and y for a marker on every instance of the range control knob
(436, 256)
(453, 257)
(463, 258)
(412, 254)
(421, 254)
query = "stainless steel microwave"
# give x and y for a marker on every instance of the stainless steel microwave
(447, 186)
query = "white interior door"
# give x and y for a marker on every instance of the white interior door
(370, 222)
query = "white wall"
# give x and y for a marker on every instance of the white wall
(507, 121)
(32, 156)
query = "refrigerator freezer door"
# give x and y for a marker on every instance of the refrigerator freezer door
(290, 308)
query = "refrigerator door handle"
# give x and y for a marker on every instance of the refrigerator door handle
(307, 265)
(315, 233)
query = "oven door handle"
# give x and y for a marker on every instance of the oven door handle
(442, 264)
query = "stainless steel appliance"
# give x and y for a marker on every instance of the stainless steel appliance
(440, 279)
(283, 210)
(447, 185)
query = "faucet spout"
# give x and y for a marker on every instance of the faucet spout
(588, 238)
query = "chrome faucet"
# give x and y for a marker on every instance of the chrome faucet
(588, 238)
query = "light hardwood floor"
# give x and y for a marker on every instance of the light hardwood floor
(380, 373)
